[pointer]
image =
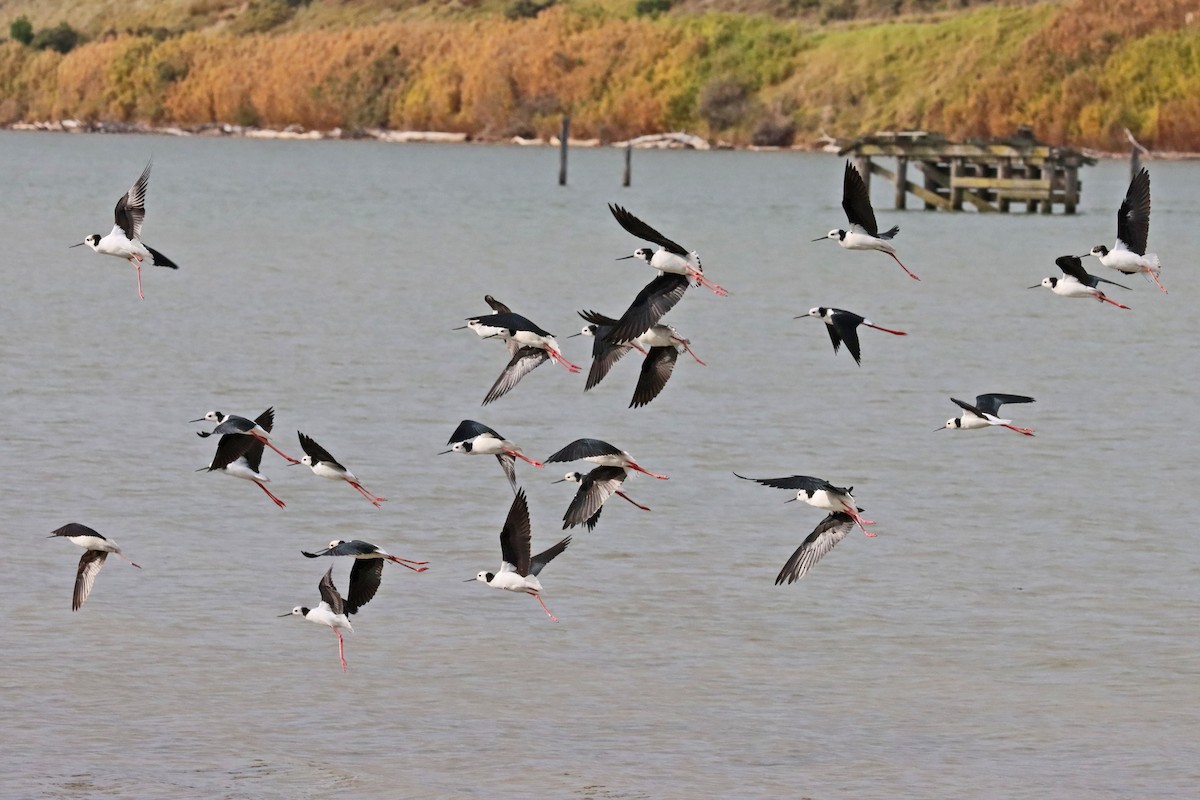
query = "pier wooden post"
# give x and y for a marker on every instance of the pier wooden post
(628, 165)
(1048, 203)
(1071, 195)
(930, 184)
(956, 195)
(562, 151)
(901, 182)
(1004, 172)
(863, 165)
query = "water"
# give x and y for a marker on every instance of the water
(1023, 626)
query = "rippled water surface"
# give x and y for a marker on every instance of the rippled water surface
(1024, 626)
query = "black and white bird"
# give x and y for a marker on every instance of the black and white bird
(124, 241)
(529, 346)
(828, 532)
(475, 438)
(240, 456)
(95, 549)
(518, 570)
(602, 453)
(324, 465)
(594, 489)
(1129, 254)
(229, 423)
(332, 612)
(654, 300)
(985, 413)
(863, 233)
(367, 571)
(843, 328)
(818, 493)
(671, 257)
(660, 343)
(1077, 282)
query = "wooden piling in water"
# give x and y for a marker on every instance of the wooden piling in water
(562, 150)
(628, 165)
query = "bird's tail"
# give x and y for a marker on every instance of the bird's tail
(890, 234)
(1151, 262)
(162, 261)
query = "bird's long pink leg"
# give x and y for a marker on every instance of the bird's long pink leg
(539, 599)
(122, 555)
(635, 346)
(885, 330)
(690, 353)
(1154, 278)
(341, 650)
(278, 502)
(558, 357)
(634, 466)
(630, 499)
(914, 277)
(1026, 431)
(861, 522)
(1105, 299)
(137, 264)
(404, 562)
(276, 449)
(524, 457)
(375, 501)
(698, 276)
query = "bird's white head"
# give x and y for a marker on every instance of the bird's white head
(837, 234)
(91, 241)
(953, 423)
(1049, 283)
(571, 477)
(644, 253)
(1099, 250)
(335, 543)
(486, 577)
(462, 447)
(212, 416)
(306, 460)
(298, 611)
(588, 330)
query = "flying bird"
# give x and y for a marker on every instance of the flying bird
(1076, 282)
(332, 612)
(602, 453)
(518, 570)
(529, 346)
(818, 493)
(230, 423)
(326, 466)
(240, 455)
(367, 571)
(475, 438)
(660, 343)
(125, 239)
(985, 413)
(864, 231)
(95, 549)
(670, 257)
(594, 489)
(843, 327)
(1129, 254)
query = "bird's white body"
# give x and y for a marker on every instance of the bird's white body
(621, 460)
(485, 445)
(240, 468)
(1126, 261)
(1069, 287)
(508, 580)
(858, 239)
(829, 501)
(325, 470)
(117, 244)
(519, 337)
(970, 422)
(95, 543)
(660, 336)
(323, 615)
(666, 261)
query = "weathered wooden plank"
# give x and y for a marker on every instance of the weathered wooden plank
(944, 181)
(1002, 184)
(931, 198)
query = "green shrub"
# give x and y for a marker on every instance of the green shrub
(652, 8)
(526, 9)
(62, 37)
(21, 30)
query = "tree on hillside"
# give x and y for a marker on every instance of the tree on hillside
(21, 30)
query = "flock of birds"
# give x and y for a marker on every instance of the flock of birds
(242, 442)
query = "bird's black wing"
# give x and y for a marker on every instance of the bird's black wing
(469, 429)
(584, 448)
(75, 529)
(795, 482)
(828, 532)
(316, 452)
(1133, 218)
(329, 593)
(515, 536)
(856, 201)
(596, 318)
(496, 305)
(89, 567)
(847, 324)
(605, 355)
(131, 208)
(364, 582)
(967, 407)
(231, 447)
(654, 300)
(508, 463)
(546, 556)
(656, 371)
(509, 320)
(595, 488)
(524, 361)
(990, 403)
(266, 420)
(643, 231)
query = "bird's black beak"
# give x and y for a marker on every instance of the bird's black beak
(560, 480)
(573, 335)
(288, 614)
(444, 452)
(1035, 286)
(202, 469)
(292, 464)
(202, 419)
(622, 258)
(460, 328)
(794, 499)
(935, 430)
(81, 244)
(468, 580)
(821, 239)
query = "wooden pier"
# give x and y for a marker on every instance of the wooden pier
(990, 175)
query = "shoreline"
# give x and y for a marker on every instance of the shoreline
(677, 140)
